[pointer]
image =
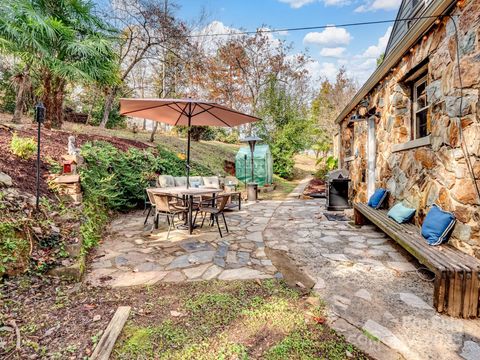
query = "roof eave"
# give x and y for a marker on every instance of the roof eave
(437, 8)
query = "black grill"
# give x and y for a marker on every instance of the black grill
(337, 190)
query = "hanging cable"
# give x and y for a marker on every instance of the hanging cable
(305, 28)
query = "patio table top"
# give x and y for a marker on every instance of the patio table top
(181, 190)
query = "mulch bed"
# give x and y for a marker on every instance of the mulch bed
(315, 186)
(53, 145)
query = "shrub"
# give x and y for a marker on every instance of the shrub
(24, 148)
(325, 167)
(12, 248)
(95, 218)
(118, 179)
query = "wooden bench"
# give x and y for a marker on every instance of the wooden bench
(457, 275)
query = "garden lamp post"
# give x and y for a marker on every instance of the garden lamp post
(39, 118)
(252, 191)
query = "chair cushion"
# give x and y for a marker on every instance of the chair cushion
(401, 213)
(437, 226)
(195, 181)
(166, 181)
(377, 199)
(180, 180)
(211, 182)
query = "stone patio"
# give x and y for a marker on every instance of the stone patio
(133, 255)
(376, 294)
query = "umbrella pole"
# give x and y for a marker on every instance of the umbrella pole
(188, 144)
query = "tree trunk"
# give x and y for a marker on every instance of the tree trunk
(108, 106)
(154, 130)
(53, 94)
(19, 99)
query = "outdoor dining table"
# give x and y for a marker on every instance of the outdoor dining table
(189, 193)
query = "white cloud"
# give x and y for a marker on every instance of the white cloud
(374, 5)
(319, 70)
(374, 51)
(336, 52)
(331, 37)
(297, 4)
(336, 2)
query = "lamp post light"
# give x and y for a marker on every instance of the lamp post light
(39, 118)
(252, 191)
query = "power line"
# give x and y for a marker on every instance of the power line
(304, 28)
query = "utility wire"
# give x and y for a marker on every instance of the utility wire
(304, 28)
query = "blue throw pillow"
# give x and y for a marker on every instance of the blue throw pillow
(437, 225)
(401, 213)
(377, 199)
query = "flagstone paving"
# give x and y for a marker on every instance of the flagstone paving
(132, 254)
(377, 295)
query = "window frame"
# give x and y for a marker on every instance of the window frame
(414, 133)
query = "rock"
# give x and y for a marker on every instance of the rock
(97, 318)
(385, 335)
(179, 262)
(464, 192)
(363, 294)
(196, 272)
(201, 257)
(462, 232)
(148, 266)
(138, 241)
(5, 180)
(414, 301)
(212, 272)
(425, 157)
(242, 274)
(401, 266)
(174, 276)
(176, 313)
(336, 257)
(125, 279)
(470, 350)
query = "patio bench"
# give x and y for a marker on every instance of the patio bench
(457, 275)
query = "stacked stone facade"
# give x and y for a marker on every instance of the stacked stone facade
(438, 171)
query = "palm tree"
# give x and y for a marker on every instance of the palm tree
(60, 41)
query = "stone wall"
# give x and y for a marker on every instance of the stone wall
(436, 173)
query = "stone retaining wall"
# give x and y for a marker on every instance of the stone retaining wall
(436, 173)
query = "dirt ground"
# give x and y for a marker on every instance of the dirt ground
(53, 146)
(199, 320)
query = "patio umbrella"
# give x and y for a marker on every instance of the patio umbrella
(184, 112)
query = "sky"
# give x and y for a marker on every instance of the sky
(355, 48)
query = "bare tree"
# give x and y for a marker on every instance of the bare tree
(145, 27)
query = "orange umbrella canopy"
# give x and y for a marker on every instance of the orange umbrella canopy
(186, 112)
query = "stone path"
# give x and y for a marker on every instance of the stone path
(377, 295)
(132, 255)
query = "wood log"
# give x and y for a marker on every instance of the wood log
(107, 342)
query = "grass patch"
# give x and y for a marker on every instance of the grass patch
(233, 320)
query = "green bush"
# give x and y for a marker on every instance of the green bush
(95, 217)
(24, 148)
(11, 247)
(325, 166)
(118, 179)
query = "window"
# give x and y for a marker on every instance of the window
(420, 113)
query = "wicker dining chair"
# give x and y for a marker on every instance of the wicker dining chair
(169, 206)
(151, 205)
(215, 211)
